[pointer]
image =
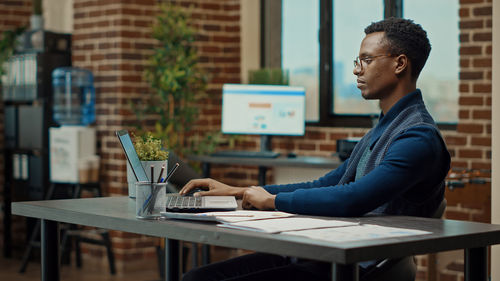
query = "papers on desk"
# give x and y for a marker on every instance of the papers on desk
(286, 224)
(356, 233)
(228, 217)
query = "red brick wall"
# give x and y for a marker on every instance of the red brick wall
(112, 38)
(470, 145)
(13, 14)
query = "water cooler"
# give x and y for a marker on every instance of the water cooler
(73, 156)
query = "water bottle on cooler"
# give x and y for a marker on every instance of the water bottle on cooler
(73, 96)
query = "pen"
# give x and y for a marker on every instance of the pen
(172, 172)
(152, 174)
(161, 173)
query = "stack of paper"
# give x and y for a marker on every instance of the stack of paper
(286, 224)
(357, 233)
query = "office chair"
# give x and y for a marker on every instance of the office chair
(401, 269)
(72, 231)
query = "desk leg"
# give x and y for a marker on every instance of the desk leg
(205, 167)
(476, 264)
(172, 260)
(205, 254)
(205, 249)
(50, 250)
(262, 176)
(345, 272)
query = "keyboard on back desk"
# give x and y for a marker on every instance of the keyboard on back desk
(245, 154)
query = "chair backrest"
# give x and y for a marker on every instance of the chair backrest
(402, 269)
(440, 210)
(183, 174)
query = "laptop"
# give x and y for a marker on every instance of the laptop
(175, 202)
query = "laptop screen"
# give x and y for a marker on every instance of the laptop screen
(131, 154)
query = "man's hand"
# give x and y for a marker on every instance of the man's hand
(258, 197)
(215, 188)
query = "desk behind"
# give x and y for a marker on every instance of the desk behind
(265, 163)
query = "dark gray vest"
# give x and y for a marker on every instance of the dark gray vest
(414, 115)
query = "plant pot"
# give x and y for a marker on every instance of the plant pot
(131, 180)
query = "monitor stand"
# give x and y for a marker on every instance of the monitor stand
(265, 147)
(265, 143)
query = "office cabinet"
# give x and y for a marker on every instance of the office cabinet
(27, 102)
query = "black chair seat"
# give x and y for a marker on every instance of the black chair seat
(401, 269)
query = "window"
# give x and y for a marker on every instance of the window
(439, 78)
(320, 39)
(300, 49)
(348, 32)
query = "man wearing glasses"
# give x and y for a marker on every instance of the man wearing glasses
(398, 167)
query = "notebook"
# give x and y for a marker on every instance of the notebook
(175, 202)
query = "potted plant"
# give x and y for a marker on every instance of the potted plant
(151, 153)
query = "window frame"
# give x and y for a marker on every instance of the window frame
(327, 118)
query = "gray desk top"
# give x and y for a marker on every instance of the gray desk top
(299, 161)
(117, 213)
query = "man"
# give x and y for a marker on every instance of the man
(398, 167)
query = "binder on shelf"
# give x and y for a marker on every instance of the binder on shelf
(24, 167)
(16, 166)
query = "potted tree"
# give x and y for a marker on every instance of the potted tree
(177, 84)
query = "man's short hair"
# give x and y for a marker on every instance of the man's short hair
(404, 37)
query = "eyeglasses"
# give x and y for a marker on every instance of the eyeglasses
(358, 62)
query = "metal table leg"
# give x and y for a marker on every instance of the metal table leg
(476, 264)
(205, 249)
(345, 272)
(205, 254)
(50, 250)
(194, 254)
(262, 176)
(205, 169)
(172, 260)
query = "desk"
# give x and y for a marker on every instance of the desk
(117, 213)
(264, 163)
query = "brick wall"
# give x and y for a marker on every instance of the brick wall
(112, 38)
(470, 145)
(13, 14)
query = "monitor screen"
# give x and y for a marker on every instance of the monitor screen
(263, 109)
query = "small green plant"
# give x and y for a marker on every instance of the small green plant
(268, 76)
(149, 148)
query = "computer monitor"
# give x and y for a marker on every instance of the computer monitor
(263, 110)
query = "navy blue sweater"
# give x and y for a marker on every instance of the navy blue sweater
(407, 179)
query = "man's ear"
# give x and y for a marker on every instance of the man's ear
(403, 64)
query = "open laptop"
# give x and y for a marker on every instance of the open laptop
(175, 202)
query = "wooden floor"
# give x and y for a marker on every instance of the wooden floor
(9, 272)
(9, 269)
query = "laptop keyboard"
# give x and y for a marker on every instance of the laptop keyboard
(183, 202)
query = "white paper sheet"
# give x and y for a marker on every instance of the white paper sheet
(285, 224)
(356, 233)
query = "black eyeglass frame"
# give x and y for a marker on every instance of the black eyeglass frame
(358, 62)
